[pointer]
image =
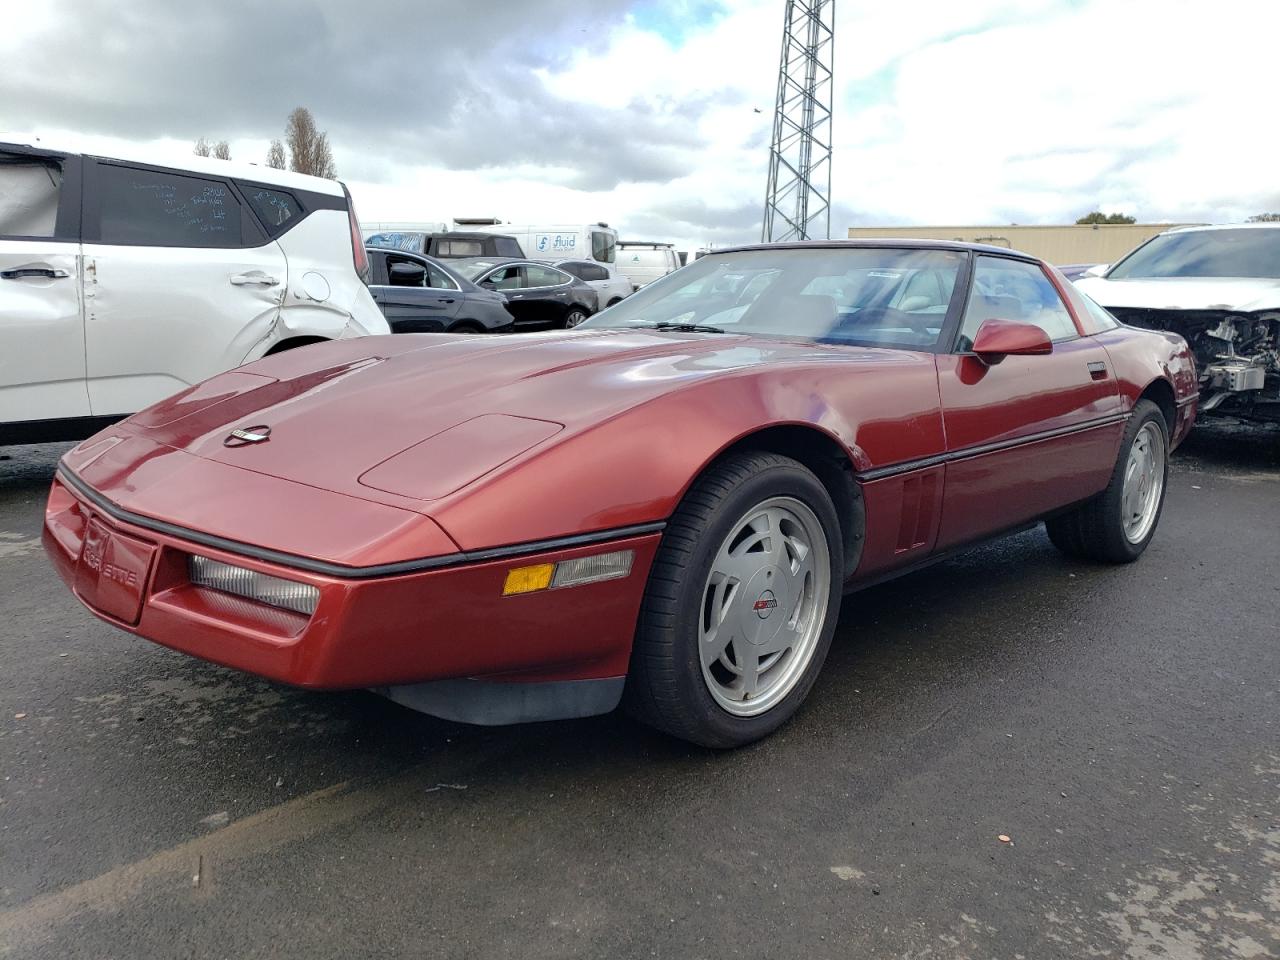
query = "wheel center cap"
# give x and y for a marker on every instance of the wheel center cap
(765, 604)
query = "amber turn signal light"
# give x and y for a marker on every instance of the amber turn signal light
(569, 573)
(528, 579)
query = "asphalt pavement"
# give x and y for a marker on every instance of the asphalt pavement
(1008, 755)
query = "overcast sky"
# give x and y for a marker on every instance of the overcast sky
(643, 113)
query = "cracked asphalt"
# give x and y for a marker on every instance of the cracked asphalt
(1120, 726)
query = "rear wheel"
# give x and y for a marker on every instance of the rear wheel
(574, 317)
(466, 326)
(741, 603)
(1117, 524)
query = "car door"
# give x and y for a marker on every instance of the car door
(421, 300)
(550, 292)
(609, 288)
(510, 280)
(1031, 433)
(42, 366)
(180, 282)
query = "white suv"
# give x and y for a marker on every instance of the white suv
(123, 282)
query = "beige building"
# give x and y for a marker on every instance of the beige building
(1074, 243)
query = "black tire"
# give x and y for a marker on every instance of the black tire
(1094, 530)
(574, 317)
(466, 326)
(665, 686)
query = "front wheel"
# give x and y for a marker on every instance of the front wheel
(741, 603)
(1117, 525)
(574, 317)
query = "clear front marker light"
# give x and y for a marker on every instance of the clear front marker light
(568, 573)
(603, 566)
(252, 585)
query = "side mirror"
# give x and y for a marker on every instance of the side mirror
(408, 275)
(998, 339)
(1097, 270)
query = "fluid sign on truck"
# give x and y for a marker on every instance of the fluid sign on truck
(555, 242)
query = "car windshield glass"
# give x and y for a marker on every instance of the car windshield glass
(397, 241)
(473, 268)
(858, 295)
(1204, 253)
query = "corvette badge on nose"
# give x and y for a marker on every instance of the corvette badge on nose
(243, 436)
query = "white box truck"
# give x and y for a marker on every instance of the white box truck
(554, 241)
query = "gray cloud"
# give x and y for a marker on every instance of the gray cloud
(393, 83)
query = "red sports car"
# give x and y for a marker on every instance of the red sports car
(661, 507)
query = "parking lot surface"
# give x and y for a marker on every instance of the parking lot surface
(1119, 726)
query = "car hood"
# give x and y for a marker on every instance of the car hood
(338, 416)
(1215, 293)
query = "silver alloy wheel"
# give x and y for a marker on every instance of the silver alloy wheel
(764, 606)
(573, 318)
(1143, 483)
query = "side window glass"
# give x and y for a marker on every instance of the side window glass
(160, 209)
(593, 272)
(1102, 319)
(507, 278)
(545, 276)
(1013, 290)
(459, 248)
(439, 279)
(28, 197)
(276, 209)
(603, 246)
(575, 270)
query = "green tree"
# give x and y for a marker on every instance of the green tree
(1097, 216)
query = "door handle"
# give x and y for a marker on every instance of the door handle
(1097, 370)
(446, 299)
(260, 279)
(48, 273)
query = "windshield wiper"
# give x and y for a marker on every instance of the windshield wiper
(682, 327)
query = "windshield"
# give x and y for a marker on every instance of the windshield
(415, 242)
(857, 295)
(1253, 253)
(473, 268)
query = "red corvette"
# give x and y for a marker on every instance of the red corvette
(662, 506)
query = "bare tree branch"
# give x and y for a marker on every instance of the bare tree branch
(308, 147)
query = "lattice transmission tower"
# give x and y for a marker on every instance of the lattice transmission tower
(797, 203)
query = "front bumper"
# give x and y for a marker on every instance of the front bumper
(443, 623)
